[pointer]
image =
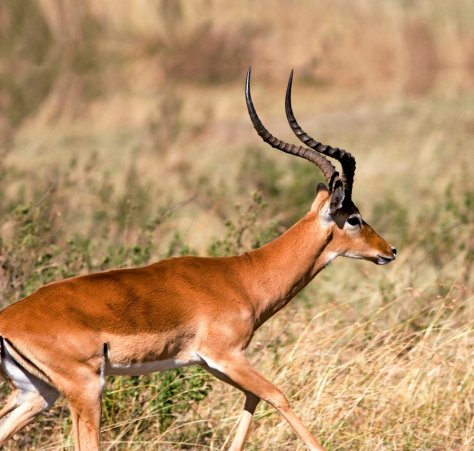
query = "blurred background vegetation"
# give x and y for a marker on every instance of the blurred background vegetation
(124, 138)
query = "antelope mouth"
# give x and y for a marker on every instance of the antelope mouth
(383, 260)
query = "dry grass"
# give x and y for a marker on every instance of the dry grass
(133, 144)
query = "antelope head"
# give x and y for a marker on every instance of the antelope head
(350, 235)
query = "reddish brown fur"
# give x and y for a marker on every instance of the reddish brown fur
(176, 308)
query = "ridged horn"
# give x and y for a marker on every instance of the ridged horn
(347, 161)
(320, 161)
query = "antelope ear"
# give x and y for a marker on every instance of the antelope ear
(337, 197)
(321, 187)
(322, 192)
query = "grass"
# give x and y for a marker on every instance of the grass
(120, 157)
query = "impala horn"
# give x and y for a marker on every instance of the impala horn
(329, 171)
(347, 161)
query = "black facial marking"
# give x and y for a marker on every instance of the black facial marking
(342, 214)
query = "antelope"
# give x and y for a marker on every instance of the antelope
(68, 335)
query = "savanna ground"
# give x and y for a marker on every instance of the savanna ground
(125, 139)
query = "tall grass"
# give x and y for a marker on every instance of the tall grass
(133, 145)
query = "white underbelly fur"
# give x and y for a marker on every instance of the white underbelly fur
(136, 369)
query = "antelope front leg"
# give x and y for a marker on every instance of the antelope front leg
(236, 370)
(251, 402)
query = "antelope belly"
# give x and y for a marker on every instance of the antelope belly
(136, 369)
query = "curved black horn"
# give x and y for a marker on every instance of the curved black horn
(347, 161)
(319, 160)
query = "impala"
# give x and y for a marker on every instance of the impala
(67, 336)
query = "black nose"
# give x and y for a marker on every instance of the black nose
(394, 250)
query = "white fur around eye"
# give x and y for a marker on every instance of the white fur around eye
(354, 221)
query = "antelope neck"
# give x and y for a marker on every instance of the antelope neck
(286, 265)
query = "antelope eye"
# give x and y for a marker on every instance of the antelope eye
(353, 221)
